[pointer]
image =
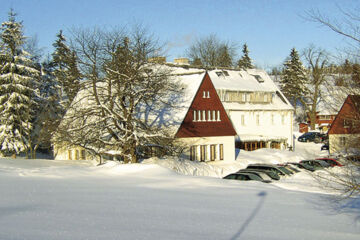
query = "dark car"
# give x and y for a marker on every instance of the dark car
(303, 166)
(245, 177)
(270, 174)
(269, 167)
(317, 164)
(289, 167)
(332, 161)
(309, 137)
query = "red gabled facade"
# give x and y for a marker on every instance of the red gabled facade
(206, 116)
(347, 120)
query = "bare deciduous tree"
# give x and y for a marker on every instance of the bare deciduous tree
(122, 102)
(316, 60)
(210, 51)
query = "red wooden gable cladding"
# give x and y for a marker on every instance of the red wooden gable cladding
(207, 127)
(349, 110)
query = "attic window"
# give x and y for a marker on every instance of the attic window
(226, 73)
(259, 78)
(219, 74)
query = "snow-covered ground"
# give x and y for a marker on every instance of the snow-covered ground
(169, 199)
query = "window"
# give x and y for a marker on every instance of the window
(248, 97)
(199, 115)
(212, 152)
(193, 152)
(242, 120)
(218, 116)
(69, 154)
(208, 94)
(243, 97)
(283, 119)
(204, 115)
(203, 153)
(194, 116)
(214, 115)
(219, 74)
(257, 120)
(209, 115)
(226, 73)
(265, 98)
(204, 94)
(82, 155)
(221, 151)
(342, 141)
(76, 154)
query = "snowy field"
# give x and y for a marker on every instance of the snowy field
(168, 199)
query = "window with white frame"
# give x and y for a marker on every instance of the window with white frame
(242, 120)
(283, 119)
(243, 97)
(204, 94)
(203, 153)
(248, 97)
(194, 116)
(218, 116)
(193, 153)
(208, 94)
(265, 97)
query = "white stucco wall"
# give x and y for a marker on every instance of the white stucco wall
(228, 143)
(335, 143)
(271, 123)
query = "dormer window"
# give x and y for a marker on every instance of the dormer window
(226, 73)
(258, 78)
(219, 74)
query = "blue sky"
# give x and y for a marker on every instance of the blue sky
(269, 27)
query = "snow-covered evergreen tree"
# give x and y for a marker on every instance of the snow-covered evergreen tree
(245, 60)
(293, 79)
(50, 110)
(18, 79)
(66, 69)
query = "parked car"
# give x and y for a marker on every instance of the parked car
(325, 146)
(271, 174)
(303, 166)
(286, 170)
(260, 173)
(286, 165)
(332, 161)
(245, 177)
(317, 164)
(309, 137)
(270, 167)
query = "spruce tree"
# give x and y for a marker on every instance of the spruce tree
(66, 69)
(224, 59)
(245, 60)
(18, 79)
(293, 78)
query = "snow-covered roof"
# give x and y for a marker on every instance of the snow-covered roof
(252, 80)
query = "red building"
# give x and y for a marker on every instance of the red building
(345, 130)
